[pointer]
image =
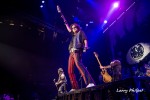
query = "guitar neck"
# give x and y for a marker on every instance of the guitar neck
(98, 61)
(96, 55)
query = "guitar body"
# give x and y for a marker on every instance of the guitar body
(106, 77)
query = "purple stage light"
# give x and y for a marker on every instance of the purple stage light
(116, 4)
(105, 21)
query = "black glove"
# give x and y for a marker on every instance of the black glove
(85, 49)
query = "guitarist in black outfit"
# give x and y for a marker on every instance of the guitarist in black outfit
(62, 82)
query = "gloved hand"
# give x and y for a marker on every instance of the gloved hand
(85, 49)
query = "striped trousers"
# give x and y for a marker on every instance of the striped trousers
(76, 60)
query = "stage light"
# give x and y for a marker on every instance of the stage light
(116, 4)
(138, 53)
(91, 22)
(43, 1)
(76, 19)
(105, 21)
(41, 6)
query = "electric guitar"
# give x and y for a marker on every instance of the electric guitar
(106, 77)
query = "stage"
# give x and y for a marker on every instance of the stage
(136, 88)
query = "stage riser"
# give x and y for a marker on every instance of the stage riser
(121, 90)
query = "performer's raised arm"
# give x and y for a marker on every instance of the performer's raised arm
(64, 19)
(67, 26)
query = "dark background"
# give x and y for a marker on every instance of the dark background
(36, 45)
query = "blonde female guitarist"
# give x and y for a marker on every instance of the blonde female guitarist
(115, 66)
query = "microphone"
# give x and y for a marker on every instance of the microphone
(62, 16)
(58, 9)
(85, 49)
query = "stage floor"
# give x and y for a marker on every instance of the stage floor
(136, 88)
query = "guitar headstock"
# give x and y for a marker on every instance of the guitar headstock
(58, 9)
(96, 55)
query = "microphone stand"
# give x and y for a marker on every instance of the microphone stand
(80, 79)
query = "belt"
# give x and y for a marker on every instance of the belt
(75, 50)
